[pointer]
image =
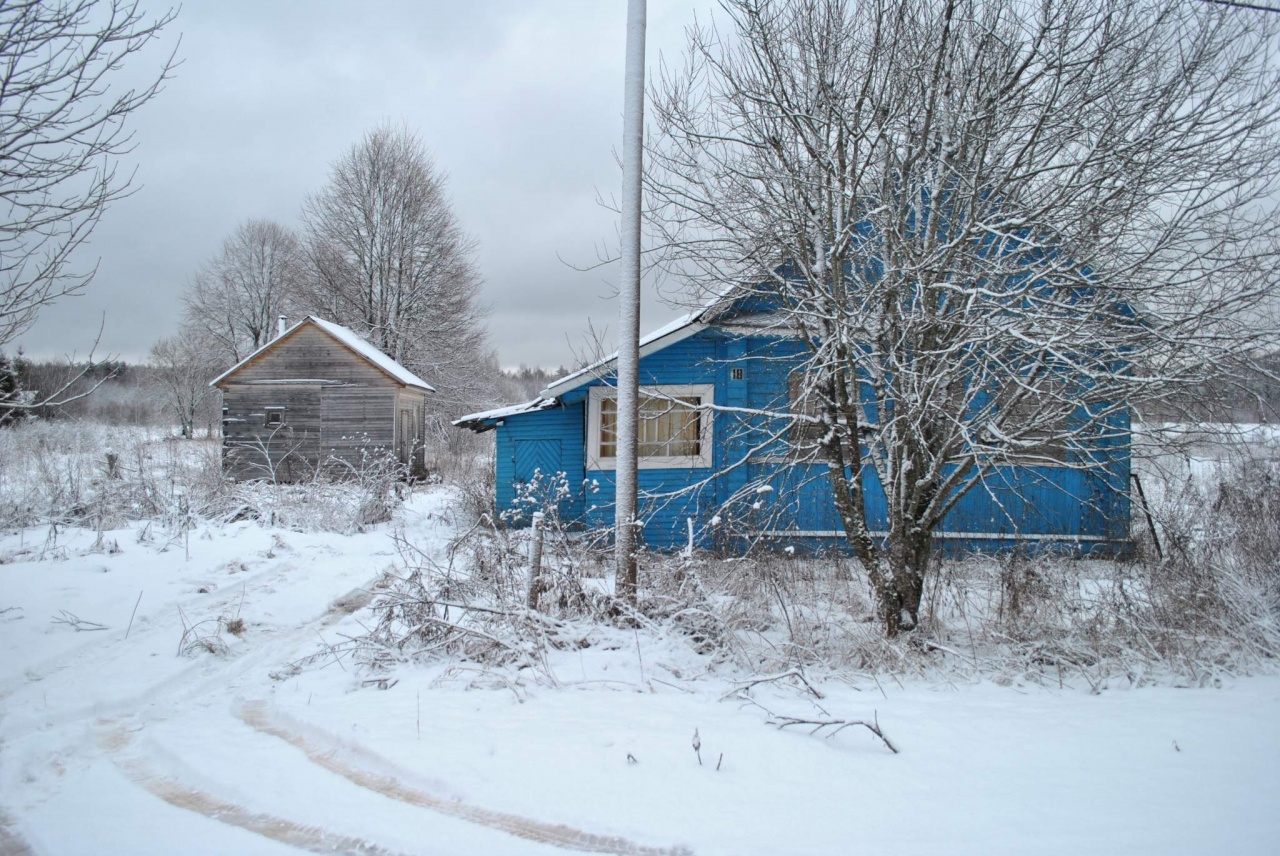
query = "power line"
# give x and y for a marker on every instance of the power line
(1235, 4)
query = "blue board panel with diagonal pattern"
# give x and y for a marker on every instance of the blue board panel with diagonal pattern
(536, 455)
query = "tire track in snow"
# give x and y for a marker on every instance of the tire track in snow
(11, 844)
(112, 737)
(255, 715)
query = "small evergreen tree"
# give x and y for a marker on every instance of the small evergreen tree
(11, 391)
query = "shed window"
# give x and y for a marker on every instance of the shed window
(674, 430)
(275, 417)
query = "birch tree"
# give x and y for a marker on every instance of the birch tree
(391, 261)
(234, 301)
(996, 229)
(63, 128)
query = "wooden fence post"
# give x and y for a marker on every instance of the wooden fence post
(535, 562)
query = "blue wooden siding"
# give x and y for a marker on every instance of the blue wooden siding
(553, 442)
(1081, 509)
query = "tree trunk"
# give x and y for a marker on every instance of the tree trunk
(897, 572)
(901, 586)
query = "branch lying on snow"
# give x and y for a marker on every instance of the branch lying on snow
(76, 622)
(836, 726)
(817, 725)
(791, 673)
(458, 628)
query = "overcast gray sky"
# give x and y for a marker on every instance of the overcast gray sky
(520, 101)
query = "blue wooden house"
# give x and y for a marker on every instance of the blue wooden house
(708, 467)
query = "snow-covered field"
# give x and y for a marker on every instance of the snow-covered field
(114, 742)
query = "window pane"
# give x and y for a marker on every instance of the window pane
(667, 427)
(608, 428)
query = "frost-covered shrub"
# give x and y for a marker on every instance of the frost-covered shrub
(84, 474)
(475, 479)
(473, 606)
(342, 497)
(1215, 592)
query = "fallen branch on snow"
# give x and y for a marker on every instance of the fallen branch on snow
(817, 725)
(836, 726)
(75, 622)
(743, 686)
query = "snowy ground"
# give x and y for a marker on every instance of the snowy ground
(113, 743)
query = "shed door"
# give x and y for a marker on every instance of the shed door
(406, 435)
(536, 455)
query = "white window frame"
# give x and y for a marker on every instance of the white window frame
(266, 417)
(706, 399)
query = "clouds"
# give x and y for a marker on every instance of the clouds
(520, 103)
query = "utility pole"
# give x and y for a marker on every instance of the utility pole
(625, 504)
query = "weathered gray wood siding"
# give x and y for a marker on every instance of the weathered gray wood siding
(357, 421)
(409, 447)
(338, 409)
(313, 354)
(254, 450)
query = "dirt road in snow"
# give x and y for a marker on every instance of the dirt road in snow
(120, 687)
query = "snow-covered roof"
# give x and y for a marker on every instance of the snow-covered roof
(681, 328)
(352, 341)
(477, 421)
(365, 349)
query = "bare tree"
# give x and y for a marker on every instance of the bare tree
(235, 299)
(182, 371)
(62, 131)
(391, 261)
(993, 229)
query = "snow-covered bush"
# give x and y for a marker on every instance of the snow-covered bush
(1208, 607)
(503, 595)
(473, 607)
(68, 473)
(475, 479)
(340, 497)
(1213, 597)
(84, 474)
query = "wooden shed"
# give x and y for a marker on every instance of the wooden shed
(319, 397)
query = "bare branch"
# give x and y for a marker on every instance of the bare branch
(62, 128)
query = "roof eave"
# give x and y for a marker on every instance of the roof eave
(486, 420)
(595, 371)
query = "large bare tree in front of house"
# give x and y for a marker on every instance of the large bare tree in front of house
(993, 228)
(234, 301)
(181, 371)
(391, 261)
(63, 129)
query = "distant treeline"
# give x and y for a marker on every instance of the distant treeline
(122, 393)
(524, 383)
(125, 393)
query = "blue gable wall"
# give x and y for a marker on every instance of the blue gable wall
(551, 441)
(1086, 510)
